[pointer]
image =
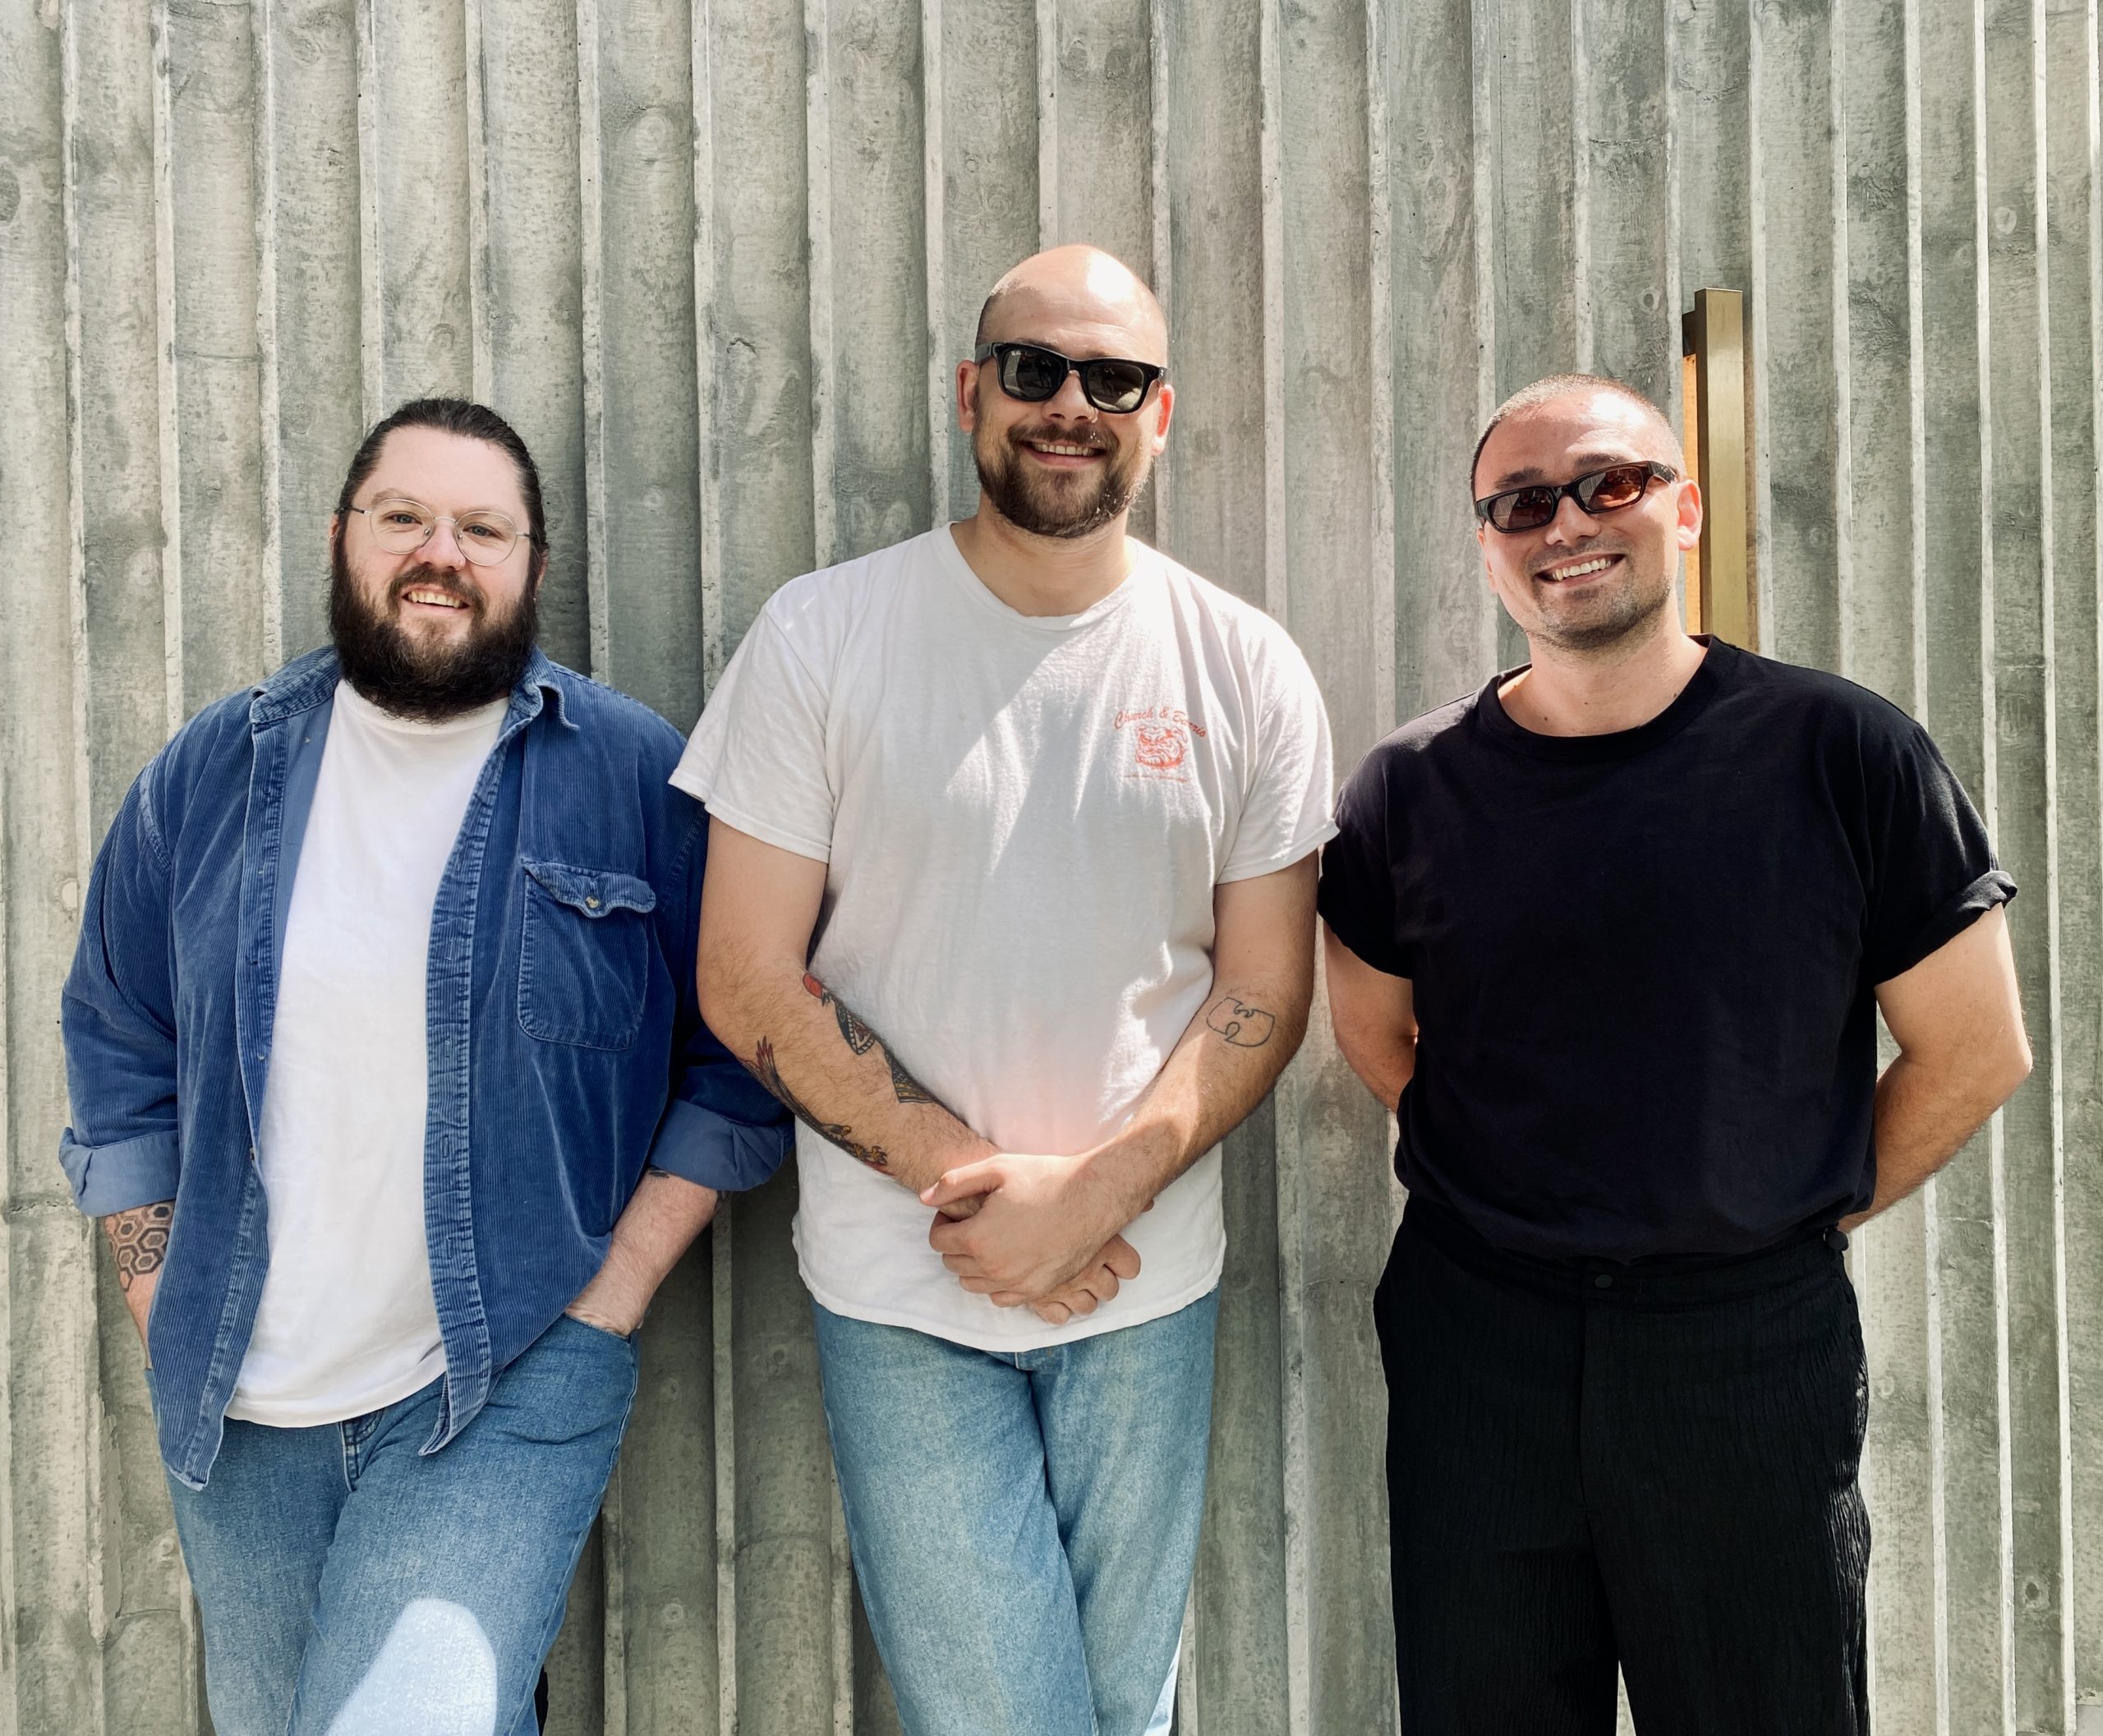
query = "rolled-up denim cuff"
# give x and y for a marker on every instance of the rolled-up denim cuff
(699, 1145)
(117, 1177)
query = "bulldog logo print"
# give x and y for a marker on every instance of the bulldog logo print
(1160, 737)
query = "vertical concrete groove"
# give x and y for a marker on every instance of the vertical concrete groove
(169, 429)
(1758, 517)
(84, 839)
(1047, 122)
(482, 363)
(1581, 190)
(818, 145)
(1380, 453)
(712, 650)
(935, 255)
(1843, 360)
(2063, 1465)
(613, 1659)
(1292, 1265)
(1162, 245)
(591, 200)
(1938, 1446)
(1482, 50)
(77, 589)
(372, 325)
(11, 1600)
(720, 1269)
(269, 419)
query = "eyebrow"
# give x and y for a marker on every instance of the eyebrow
(1586, 462)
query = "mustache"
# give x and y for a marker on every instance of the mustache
(420, 578)
(1091, 437)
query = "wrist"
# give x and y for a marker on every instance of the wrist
(1126, 1172)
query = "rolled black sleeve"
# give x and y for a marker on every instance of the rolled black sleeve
(1932, 872)
(1357, 896)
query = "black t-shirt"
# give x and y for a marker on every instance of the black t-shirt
(1643, 963)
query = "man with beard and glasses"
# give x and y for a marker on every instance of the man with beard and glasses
(1058, 800)
(390, 1089)
(1612, 936)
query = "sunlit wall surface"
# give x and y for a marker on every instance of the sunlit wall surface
(716, 258)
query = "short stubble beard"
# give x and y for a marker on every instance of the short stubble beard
(427, 682)
(1038, 504)
(1625, 616)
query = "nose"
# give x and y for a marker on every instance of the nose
(1070, 400)
(1571, 523)
(443, 548)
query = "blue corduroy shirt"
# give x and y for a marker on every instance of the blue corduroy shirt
(566, 1050)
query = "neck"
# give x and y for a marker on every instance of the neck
(1597, 693)
(1044, 575)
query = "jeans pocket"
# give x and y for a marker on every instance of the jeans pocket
(602, 1332)
(583, 954)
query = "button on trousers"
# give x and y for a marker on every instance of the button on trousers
(1594, 1466)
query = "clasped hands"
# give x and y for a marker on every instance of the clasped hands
(1026, 1230)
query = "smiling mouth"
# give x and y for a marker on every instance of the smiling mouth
(1577, 569)
(434, 599)
(1066, 450)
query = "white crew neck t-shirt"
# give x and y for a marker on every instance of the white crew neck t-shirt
(347, 1322)
(1024, 819)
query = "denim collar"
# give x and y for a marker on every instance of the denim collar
(310, 681)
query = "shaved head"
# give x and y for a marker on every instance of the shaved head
(1556, 387)
(1076, 284)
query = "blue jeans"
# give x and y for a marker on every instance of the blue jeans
(352, 1587)
(1024, 1524)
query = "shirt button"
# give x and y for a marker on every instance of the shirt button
(1602, 1282)
(591, 904)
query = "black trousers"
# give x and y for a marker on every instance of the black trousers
(1651, 1466)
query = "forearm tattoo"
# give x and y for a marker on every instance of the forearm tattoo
(1245, 1026)
(857, 1035)
(139, 1239)
(763, 1070)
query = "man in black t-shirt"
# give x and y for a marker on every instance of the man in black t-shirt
(1612, 935)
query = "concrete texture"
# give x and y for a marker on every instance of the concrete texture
(717, 258)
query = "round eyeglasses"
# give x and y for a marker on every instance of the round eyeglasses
(401, 526)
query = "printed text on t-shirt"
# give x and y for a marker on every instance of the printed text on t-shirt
(1161, 741)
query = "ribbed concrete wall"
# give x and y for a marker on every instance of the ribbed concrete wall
(715, 257)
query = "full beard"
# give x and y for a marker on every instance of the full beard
(425, 681)
(1053, 504)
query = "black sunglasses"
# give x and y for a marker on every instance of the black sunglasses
(1032, 373)
(1607, 490)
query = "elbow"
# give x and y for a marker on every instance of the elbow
(2016, 1066)
(722, 1008)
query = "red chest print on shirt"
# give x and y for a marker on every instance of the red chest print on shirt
(1160, 738)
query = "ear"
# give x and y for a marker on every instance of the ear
(1164, 410)
(1687, 531)
(335, 530)
(967, 396)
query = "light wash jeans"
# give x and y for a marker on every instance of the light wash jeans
(352, 1586)
(1024, 1524)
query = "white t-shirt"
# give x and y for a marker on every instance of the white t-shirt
(346, 1322)
(1024, 819)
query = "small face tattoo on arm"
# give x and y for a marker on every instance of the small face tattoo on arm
(1245, 1026)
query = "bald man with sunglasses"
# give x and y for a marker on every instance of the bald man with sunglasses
(1611, 937)
(1047, 805)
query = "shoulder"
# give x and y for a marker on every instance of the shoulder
(1428, 738)
(612, 725)
(1251, 635)
(816, 607)
(1837, 711)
